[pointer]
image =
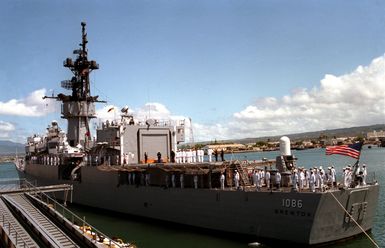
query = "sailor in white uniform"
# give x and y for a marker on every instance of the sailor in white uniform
(267, 178)
(195, 181)
(312, 181)
(173, 180)
(307, 178)
(183, 156)
(258, 179)
(301, 179)
(236, 179)
(321, 176)
(210, 153)
(181, 181)
(278, 179)
(295, 180)
(349, 177)
(194, 156)
(334, 176)
(177, 156)
(222, 179)
(147, 179)
(262, 177)
(189, 156)
(132, 157)
(364, 174)
(201, 155)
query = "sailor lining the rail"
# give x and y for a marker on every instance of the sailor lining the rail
(183, 156)
(321, 177)
(236, 179)
(222, 180)
(173, 180)
(278, 180)
(200, 154)
(334, 176)
(195, 181)
(301, 179)
(147, 179)
(258, 179)
(267, 178)
(177, 156)
(210, 153)
(307, 178)
(295, 180)
(364, 174)
(312, 180)
(254, 176)
(181, 181)
(262, 177)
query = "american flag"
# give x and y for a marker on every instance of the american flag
(352, 150)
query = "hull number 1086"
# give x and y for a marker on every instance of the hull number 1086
(291, 203)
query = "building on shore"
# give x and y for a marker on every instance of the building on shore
(225, 147)
(375, 135)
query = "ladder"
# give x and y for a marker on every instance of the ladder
(243, 175)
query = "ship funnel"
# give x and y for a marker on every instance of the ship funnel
(284, 145)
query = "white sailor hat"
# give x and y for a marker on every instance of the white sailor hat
(364, 165)
(329, 168)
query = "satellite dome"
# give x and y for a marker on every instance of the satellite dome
(284, 145)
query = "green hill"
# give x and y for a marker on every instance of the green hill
(8, 147)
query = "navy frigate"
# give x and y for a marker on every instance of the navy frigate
(134, 167)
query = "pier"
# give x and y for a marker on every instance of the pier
(29, 217)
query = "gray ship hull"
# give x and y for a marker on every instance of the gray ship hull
(306, 218)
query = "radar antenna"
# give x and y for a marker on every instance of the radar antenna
(79, 107)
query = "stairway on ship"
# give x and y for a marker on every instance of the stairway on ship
(243, 175)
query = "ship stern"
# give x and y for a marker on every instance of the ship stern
(342, 214)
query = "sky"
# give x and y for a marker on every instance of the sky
(237, 68)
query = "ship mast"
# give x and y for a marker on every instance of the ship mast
(79, 107)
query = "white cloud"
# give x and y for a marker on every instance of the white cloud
(6, 129)
(349, 100)
(353, 99)
(33, 105)
(108, 112)
(152, 110)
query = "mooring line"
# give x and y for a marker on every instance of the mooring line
(351, 217)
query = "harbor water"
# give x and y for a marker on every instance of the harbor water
(148, 233)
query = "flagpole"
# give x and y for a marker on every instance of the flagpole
(355, 166)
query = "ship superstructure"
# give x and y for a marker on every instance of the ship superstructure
(132, 162)
(118, 142)
(79, 107)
